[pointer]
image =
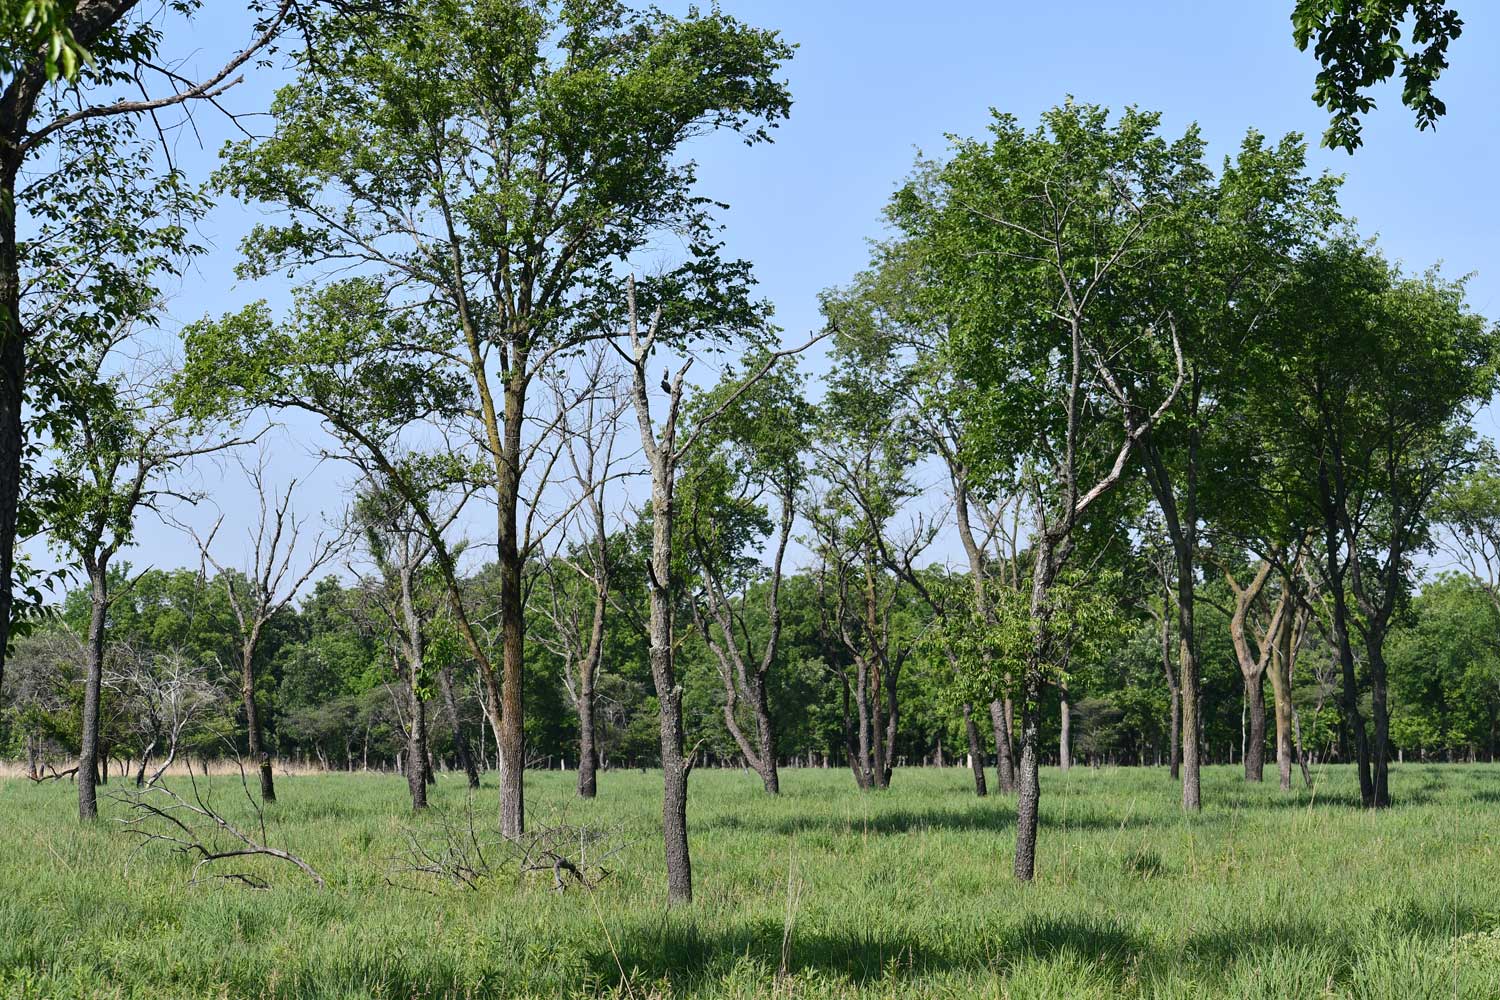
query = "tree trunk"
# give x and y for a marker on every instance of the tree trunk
(12, 386)
(1255, 709)
(1064, 731)
(416, 746)
(1380, 753)
(1174, 724)
(512, 614)
(1192, 797)
(258, 755)
(675, 767)
(866, 727)
(1029, 791)
(588, 754)
(976, 750)
(1281, 698)
(88, 756)
(1005, 765)
(460, 741)
(1353, 718)
(766, 733)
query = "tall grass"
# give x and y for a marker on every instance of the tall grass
(824, 892)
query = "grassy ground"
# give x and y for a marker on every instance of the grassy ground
(906, 893)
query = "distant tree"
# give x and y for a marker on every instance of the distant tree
(281, 562)
(863, 449)
(1376, 418)
(398, 546)
(752, 458)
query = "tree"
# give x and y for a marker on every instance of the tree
(885, 333)
(1358, 45)
(863, 451)
(753, 453)
(165, 695)
(263, 590)
(64, 70)
(578, 584)
(1376, 419)
(398, 545)
(664, 452)
(1028, 239)
(116, 460)
(487, 164)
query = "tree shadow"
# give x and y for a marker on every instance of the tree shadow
(981, 819)
(695, 959)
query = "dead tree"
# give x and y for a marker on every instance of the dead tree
(197, 828)
(261, 591)
(575, 599)
(164, 694)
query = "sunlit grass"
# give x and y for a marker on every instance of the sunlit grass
(905, 893)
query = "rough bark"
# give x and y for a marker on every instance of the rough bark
(1255, 709)
(1281, 698)
(254, 736)
(1028, 797)
(89, 752)
(417, 769)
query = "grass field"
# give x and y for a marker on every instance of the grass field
(906, 893)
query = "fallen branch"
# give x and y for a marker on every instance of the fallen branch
(197, 828)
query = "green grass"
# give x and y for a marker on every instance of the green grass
(906, 893)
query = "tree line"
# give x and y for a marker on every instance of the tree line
(1109, 437)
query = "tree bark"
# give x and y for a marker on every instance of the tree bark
(675, 767)
(258, 755)
(1187, 658)
(1281, 697)
(1005, 765)
(89, 756)
(1029, 791)
(588, 753)
(976, 750)
(1255, 709)
(1064, 731)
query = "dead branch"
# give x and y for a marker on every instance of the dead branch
(196, 828)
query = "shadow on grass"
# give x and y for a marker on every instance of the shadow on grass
(882, 822)
(697, 959)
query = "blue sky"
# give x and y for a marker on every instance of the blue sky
(875, 82)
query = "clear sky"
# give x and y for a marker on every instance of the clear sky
(876, 81)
